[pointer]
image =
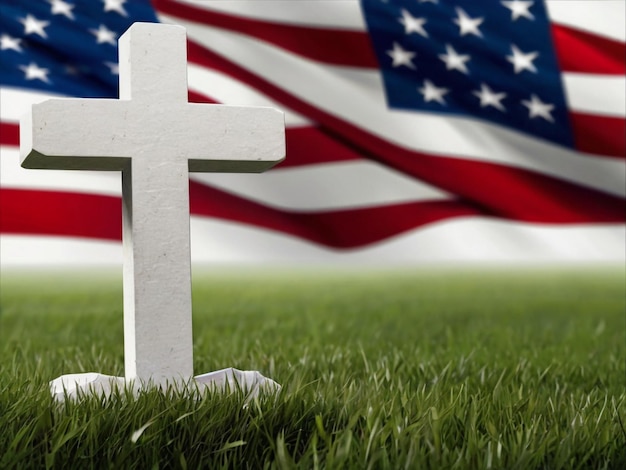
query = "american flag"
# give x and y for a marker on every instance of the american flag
(416, 129)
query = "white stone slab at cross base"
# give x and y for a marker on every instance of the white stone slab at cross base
(155, 137)
(250, 382)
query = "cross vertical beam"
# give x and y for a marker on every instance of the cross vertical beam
(153, 63)
(157, 272)
(158, 343)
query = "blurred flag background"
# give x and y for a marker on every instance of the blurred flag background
(417, 130)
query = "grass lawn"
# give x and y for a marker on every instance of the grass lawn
(417, 370)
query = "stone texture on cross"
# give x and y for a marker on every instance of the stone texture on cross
(155, 138)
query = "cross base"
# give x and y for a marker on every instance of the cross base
(75, 386)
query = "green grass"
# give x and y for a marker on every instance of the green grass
(418, 370)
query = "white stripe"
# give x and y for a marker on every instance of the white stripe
(340, 14)
(325, 186)
(317, 187)
(453, 241)
(20, 251)
(604, 17)
(357, 97)
(228, 91)
(12, 175)
(15, 102)
(596, 94)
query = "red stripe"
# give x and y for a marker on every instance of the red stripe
(94, 216)
(350, 228)
(502, 191)
(579, 51)
(540, 200)
(594, 135)
(196, 97)
(9, 134)
(310, 146)
(60, 213)
(599, 135)
(333, 46)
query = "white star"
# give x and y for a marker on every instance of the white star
(59, 7)
(522, 60)
(114, 66)
(115, 5)
(34, 26)
(33, 72)
(488, 97)
(538, 108)
(519, 8)
(412, 24)
(104, 35)
(468, 25)
(433, 93)
(455, 61)
(9, 42)
(401, 56)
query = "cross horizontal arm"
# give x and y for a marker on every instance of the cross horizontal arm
(232, 138)
(97, 134)
(71, 134)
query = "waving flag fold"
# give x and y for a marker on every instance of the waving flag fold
(413, 126)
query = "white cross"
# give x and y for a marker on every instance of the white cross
(155, 138)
